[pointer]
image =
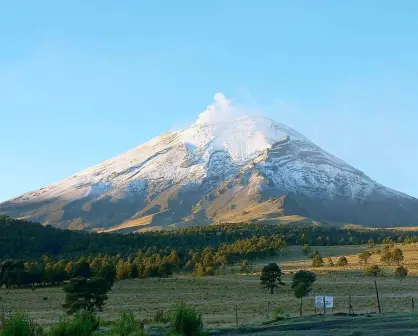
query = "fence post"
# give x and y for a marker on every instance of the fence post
(349, 304)
(377, 296)
(324, 305)
(236, 315)
(381, 302)
(268, 310)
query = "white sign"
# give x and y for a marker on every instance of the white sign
(319, 301)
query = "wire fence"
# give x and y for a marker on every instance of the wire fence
(242, 314)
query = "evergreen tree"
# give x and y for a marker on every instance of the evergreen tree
(208, 259)
(166, 269)
(397, 256)
(302, 285)
(174, 259)
(271, 277)
(108, 273)
(123, 269)
(85, 294)
(81, 269)
(134, 271)
(375, 271)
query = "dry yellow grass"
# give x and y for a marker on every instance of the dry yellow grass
(216, 297)
(130, 224)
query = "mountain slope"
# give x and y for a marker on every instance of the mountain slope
(249, 169)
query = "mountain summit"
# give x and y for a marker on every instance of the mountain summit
(252, 168)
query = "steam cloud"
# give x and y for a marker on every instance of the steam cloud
(221, 110)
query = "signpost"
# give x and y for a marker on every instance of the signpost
(324, 302)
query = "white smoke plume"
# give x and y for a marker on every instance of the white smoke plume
(221, 110)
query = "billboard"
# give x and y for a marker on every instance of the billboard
(319, 301)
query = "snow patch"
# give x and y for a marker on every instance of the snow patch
(97, 189)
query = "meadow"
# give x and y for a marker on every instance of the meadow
(218, 298)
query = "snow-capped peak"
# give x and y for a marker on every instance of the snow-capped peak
(174, 178)
(178, 157)
(243, 138)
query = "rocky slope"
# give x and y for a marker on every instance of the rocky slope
(251, 169)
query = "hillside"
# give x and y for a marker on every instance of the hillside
(252, 169)
(22, 239)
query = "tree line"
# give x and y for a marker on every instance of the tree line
(35, 255)
(51, 271)
(20, 239)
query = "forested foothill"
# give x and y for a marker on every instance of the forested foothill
(35, 255)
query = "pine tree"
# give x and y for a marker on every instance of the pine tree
(85, 294)
(397, 256)
(302, 285)
(271, 277)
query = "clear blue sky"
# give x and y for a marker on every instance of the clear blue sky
(82, 81)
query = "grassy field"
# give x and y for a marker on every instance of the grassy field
(216, 297)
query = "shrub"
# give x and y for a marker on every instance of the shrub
(126, 325)
(83, 323)
(245, 267)
(317, 261)
(279, 314)
(342, 262)
(104, 323)
(374, 271)
(401, 272)
(186, 321)
(364, 257)
(386, 257)
(209, 271)
(159, 317)
(330, 262)
(199, 271)
(20, 325)
(314, 254)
